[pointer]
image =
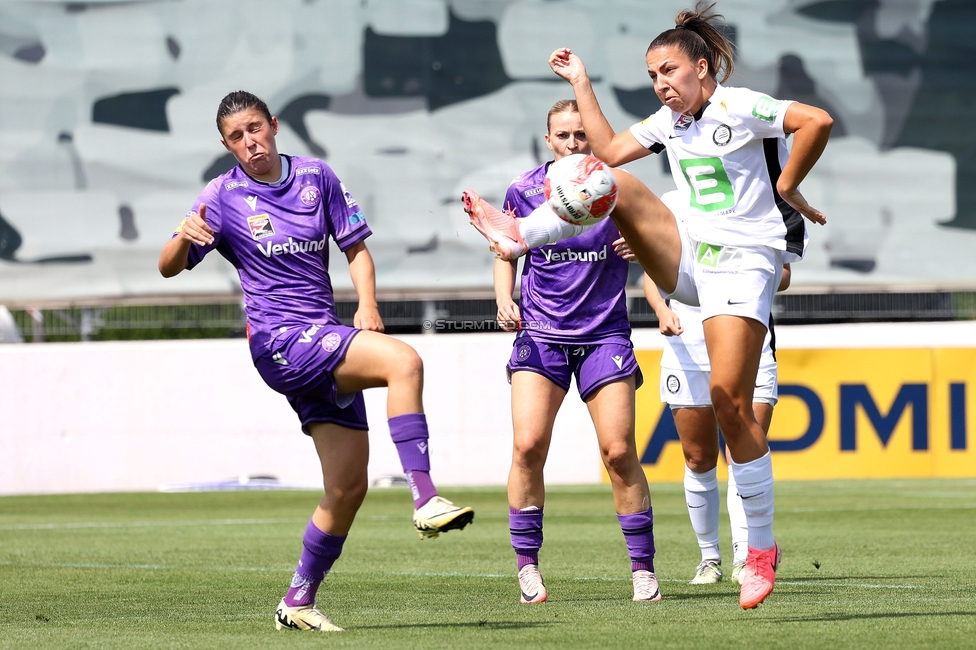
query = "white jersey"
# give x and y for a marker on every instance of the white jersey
(726, 160)
(688, 352)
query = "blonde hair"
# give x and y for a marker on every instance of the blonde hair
(562, 106)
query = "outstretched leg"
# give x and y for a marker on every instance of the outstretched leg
(644, 221)
(650, 230)
(375, 360)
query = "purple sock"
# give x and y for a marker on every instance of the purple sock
(320, 552)
(409, 434)
(421, 487)
(526, 530)
(639, 534)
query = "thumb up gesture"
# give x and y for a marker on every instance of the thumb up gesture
(195, 228)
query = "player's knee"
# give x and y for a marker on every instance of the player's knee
(728, 408)
(408, 364)
(349, 494)
(528, 455)
(700, 463)
(619, 458)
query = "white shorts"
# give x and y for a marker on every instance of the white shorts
(767, 385)
(689, 388)
(727, 280)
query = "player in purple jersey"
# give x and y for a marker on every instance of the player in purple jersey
(572, 320)
(271, 217)
(742, 219)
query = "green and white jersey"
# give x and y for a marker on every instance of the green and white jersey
(726, 160)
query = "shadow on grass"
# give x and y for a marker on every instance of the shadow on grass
(846, 578)
(829, 618)
(487, 625)
(668, 597)
(732, 596)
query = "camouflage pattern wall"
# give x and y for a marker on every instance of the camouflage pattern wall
(107, 129)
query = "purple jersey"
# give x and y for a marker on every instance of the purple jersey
(574, 289)
(277, 237)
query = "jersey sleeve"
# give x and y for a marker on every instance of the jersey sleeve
(761, 114)
(513, 199)
(345, 220)
(210, 197)
(649, 133)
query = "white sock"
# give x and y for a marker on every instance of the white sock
(701, 496)
(543, 227)
(737, 520)
(755, 486)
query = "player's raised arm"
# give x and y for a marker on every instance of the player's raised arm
(613, 148)
(193, 230)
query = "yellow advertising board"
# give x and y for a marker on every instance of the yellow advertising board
(845, 413)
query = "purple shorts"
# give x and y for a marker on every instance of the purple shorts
(593, 364)
(298, 363)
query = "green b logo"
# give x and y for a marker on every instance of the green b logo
(711, 189)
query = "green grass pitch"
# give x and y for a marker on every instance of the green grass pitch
(867, 564)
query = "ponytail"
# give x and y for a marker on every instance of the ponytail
(696, 33)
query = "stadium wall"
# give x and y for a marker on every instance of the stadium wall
(858, 401)
(107, 132)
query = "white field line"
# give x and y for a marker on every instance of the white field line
(920, 506)
(779, 582)
(846, 584)
(488, 515)
(150, 567)
(150, 524)
(418, 574)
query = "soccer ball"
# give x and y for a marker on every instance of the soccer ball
(580, 189)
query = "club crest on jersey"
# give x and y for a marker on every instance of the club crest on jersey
(673, 384)
(722, 135)
(261, 226)
(252, 202)
(349, 200)
(683, 122)
(331, 341)
(310, 196)
(523, 353)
